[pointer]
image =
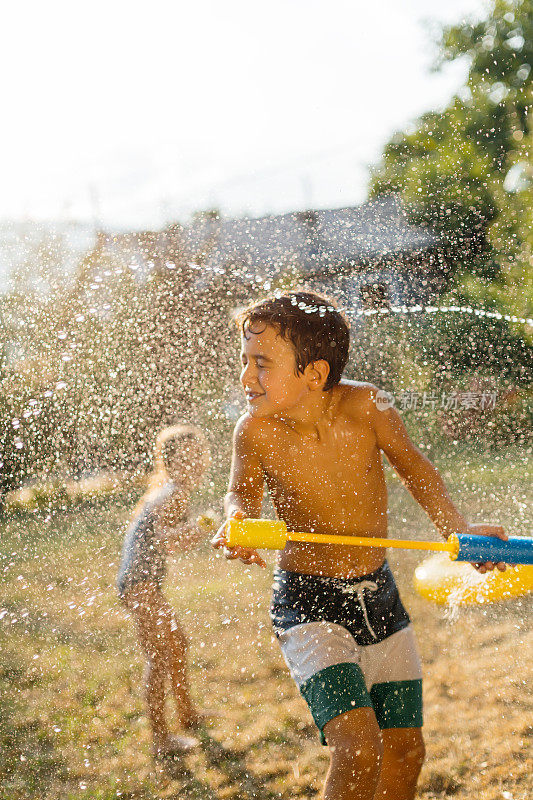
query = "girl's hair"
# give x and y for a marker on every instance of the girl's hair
(169, 442)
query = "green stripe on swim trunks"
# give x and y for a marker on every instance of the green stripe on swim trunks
(335, 690)
(398, 704)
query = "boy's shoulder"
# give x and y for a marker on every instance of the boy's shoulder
(250, 427)
(356, 397)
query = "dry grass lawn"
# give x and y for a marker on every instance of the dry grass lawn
(71, 711)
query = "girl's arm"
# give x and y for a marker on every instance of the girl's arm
(174, 529)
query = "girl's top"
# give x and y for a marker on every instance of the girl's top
(143, 555)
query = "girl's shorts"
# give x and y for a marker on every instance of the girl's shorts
(349, 644)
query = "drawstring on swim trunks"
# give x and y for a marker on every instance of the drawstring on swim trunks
(359, 590)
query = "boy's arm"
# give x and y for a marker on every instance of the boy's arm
(245, 492)
(423, 479)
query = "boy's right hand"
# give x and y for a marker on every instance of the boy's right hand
(245, 554)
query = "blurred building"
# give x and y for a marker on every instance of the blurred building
(369, 256)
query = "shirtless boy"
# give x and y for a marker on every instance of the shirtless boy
(318, 441)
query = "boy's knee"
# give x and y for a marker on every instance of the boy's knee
(156, 660)
(406, 749)
(415, 757)
(414, 760)
(355, 746)
(356, 756)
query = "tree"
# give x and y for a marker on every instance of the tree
(468, 172)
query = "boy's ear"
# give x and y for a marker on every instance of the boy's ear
(317, 373)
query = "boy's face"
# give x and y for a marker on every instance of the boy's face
(269, 377)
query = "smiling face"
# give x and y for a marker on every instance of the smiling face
(269, 376)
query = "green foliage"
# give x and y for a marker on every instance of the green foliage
(463, 344)
(445, 182)
(434, 358)
(467, 171)
(499, 46)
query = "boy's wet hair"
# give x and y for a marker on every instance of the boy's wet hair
(314, 326)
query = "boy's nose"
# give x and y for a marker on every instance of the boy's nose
(247, 376)
(250, 385)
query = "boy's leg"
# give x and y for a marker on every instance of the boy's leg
(356, 749)
(323, 658)
(396, 694)
(403, 756)
(154, 684)
(169, 649)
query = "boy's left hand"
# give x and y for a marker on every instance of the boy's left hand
(246, 554)
(483, 529)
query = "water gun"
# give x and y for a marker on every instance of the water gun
(273, 535)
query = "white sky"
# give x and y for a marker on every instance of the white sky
(141, 112)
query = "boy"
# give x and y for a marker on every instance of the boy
(317, 442)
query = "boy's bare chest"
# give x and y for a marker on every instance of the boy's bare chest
(307, 464)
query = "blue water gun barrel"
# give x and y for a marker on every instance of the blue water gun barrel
(516, 550)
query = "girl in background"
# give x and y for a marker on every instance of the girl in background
(159, 525)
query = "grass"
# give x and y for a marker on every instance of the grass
(71, 711)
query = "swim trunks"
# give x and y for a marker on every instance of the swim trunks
(143, 556)
(349, 644)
